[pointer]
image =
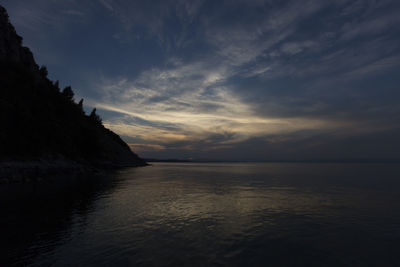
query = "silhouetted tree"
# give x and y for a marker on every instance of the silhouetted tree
(43, 71)
(57, 84)
(68, 93)
(80, 105)
(94, 116)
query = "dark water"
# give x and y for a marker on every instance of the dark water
(173, 214)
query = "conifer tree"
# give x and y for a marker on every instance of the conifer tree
(94, 116)
(80, 105)
(68, 93)
(43, 71)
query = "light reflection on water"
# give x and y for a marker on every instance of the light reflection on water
(209, 214)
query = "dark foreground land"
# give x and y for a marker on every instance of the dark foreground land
(42, 126)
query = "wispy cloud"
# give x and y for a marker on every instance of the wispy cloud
(37, 15)
(198, 99)
(208, 76)
(107, 4)
(166, 112)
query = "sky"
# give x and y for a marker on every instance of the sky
(228, 80)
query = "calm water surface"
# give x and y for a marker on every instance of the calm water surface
(229, 214)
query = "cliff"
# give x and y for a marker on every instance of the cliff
(40, 121)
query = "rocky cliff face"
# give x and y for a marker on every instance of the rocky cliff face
(38, 120)
(11, 49)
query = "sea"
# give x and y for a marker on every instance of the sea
(206, 214)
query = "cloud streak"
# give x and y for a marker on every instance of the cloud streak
(179, 77)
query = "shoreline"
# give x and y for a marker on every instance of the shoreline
(35, 170)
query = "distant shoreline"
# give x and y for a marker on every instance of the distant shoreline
(388, 161)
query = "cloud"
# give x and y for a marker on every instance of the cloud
(140, 148)
(107, 4)
(166, 112)
(293, 48)
(212, 76)
(234, 92)
(38, 15)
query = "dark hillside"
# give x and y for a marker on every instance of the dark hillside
(38, 120)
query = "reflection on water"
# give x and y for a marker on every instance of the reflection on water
(207, 214)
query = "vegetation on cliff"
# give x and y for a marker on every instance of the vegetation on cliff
(39, 120)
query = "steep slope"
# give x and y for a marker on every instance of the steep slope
(37, 120)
